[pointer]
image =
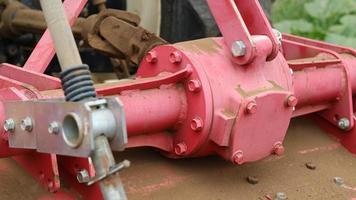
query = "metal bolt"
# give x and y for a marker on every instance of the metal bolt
(83, 176)
(292, 101)
(175, 57)
(26, 124)
(343, 123)
(152, 57)
(194, 85)
(278, 36)
(238, 158)
(281, 196)
(278, 149)
(196, 124)
(9, 125)
(238, 48)
(251, 107)
(181, 148)
(54, 128)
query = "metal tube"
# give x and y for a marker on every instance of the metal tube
(66, 48)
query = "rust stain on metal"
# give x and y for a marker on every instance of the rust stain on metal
(244, 93)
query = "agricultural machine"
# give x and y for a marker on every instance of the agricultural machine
(232, 96)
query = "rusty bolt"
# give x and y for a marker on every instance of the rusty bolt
(278, 149)
(175, 57)
(152, 57)
(83, 176)
(180, 148)
(9, 125)
(26, 124)
(196, 124)
(238, 158)
(194, 85)
(238, 48)
(292, 101)
(54, 128)
(251, 107)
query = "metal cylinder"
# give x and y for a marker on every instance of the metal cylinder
(66, 48)
(149, 111)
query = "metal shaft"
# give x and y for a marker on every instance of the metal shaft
(61, 32)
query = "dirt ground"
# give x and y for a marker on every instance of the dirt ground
(152, 176)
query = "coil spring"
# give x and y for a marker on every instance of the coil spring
(77, 83)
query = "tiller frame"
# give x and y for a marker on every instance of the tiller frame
(232, 96)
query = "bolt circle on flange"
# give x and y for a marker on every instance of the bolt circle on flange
(197, 124)
(26, 124)
(238, 158)
(194, 85)
(175, 57)
(151, 57)
(251, 107)
(292, 101)
(180, 148)
(9, 125)
(278, 149)
(343, 123)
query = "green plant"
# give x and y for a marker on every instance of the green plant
(330, 20)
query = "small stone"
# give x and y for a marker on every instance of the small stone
(252, 180)
(338, 181)
(281, 196)
(310, 165)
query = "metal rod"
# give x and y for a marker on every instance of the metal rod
(62, 36)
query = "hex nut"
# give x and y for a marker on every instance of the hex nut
(27, 124)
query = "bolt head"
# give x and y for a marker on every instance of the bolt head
(83, 176)
(196, 124)
(343, 123)
(194, 85)
(54, 128)
(26, 124)
(238, 48)
(238, 158)
(175, 57)
(292, 101)
(152, 57)
(278, 149)
(180, 148)
(9, 125)
(251, 107)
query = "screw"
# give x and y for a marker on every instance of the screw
(278, 36)
(196, 124)
(310, 165)
(151, 57)
(252, 180)
(281, 196)
(175, 57)
(338, 181)
(292, 101)
(83, 176)
(278, 149)
(238, 48)
(194, 85)
(26, 124)
(181, 148)
(54, 128)
(251, 107)
(344, 123)
(9, 125)
(238, 158)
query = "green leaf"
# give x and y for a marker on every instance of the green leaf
(293, 26)
(288, 9)
(341, 40)
(326, 9)
(347, 26)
